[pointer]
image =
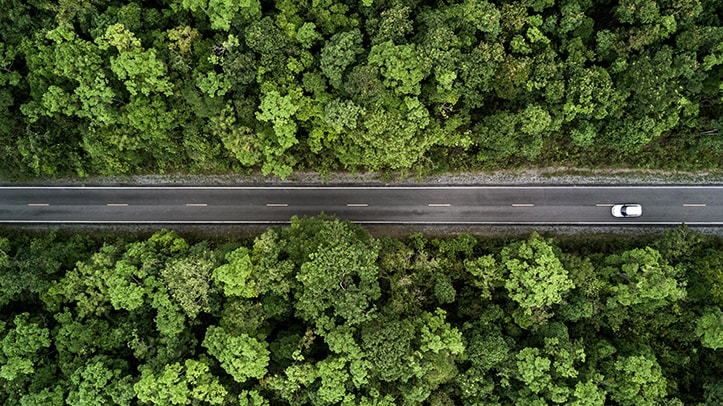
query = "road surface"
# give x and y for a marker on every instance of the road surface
(569, 205)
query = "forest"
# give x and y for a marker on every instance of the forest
(108, 87)
(323, 313)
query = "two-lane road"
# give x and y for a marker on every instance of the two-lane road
(574, 205)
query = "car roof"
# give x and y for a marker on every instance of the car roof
(633, 209)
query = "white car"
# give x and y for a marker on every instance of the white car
(627, 210)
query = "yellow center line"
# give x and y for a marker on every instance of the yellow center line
(604, 205)
(276, 204)
(38, 204)
(522, 205)
(357, 204)
(693, 205)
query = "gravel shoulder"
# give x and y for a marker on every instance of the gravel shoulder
(547, 176)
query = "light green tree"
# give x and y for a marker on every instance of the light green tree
(644, 281)
(101, 381)
(709, 328)
(188, 280)
(242, 356)
(221, 12)
(235, 277)
(338, 54)
(140, 70)
(400, 67)
(189, 382)
(340, 280)
(638, 381)
(537, 278)
(21, 346)
(278, 111)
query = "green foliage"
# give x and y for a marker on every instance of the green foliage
(645, 280)
(399, 66)
(235, 276)
(187, 383)
(242, 357)
(710, 328)
(537, 278)
(339, 53)
(99, 382)
(188, 281)
(641, 381)
(20, 346)
(339, 278)
(222, 12)
(320, 312)
(139, 69)
(97, 88)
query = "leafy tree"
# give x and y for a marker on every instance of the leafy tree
(235, 276)
(644, 280)
(222, 12)
(537, 278)
(242, 357)
(484, 16)
(388, 139)
(339, 279)
(638, 380)
(101, 381)
(187, 383)
(399, 66)
(125, 286)
(338, 54)
(342, 114)
(278, 111)
(392, 24)
(21, 346)
(84, 286)
(139, 69)
(486, 274)
(709, 328)
(189, 281)
(388, 346)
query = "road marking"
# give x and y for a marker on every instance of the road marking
(693, 205)
(604, 205)
(522, 205)
(117, 204)
(196, 204)
(38, 204)
(357, 204)
(439, 205)
(276, 204)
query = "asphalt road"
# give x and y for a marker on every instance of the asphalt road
(571, 205)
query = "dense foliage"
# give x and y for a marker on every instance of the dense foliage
(321, 313)
(113, 87)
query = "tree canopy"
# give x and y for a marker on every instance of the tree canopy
(108, 87)
(322, 313)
